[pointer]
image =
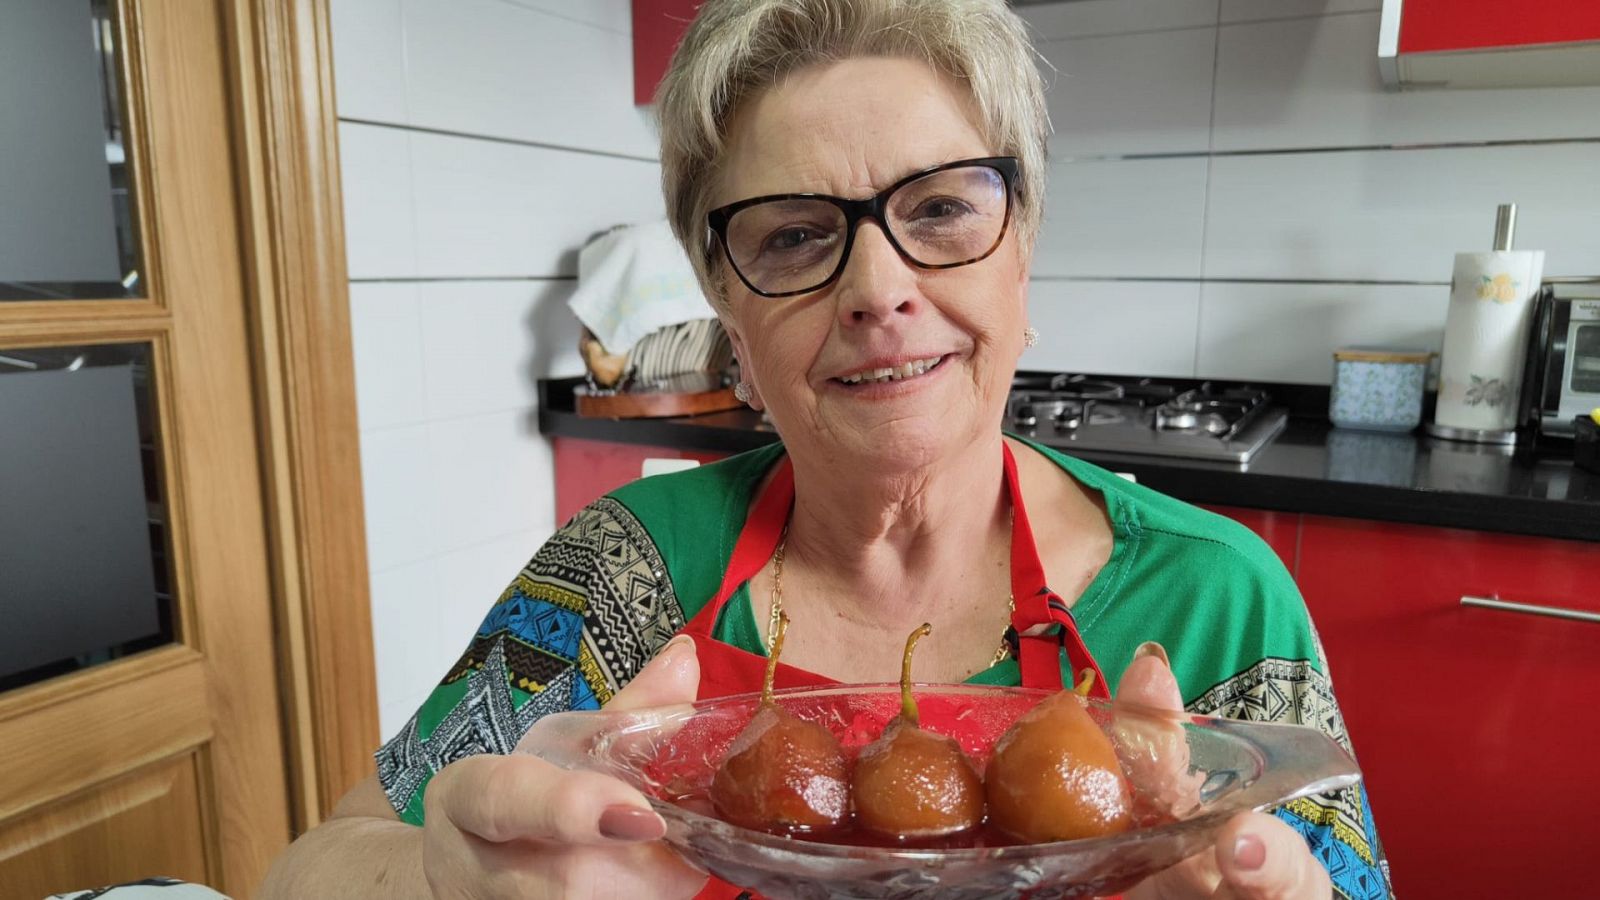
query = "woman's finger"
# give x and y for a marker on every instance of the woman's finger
(1261, 858)
(1151, 745)
(524, 798)
(1148, 680)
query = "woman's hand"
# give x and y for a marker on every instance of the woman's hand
(1255, 857)
(519, 827)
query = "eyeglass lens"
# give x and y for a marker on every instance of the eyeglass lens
(946, 217)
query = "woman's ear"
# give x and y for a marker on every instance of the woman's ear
(747, 374)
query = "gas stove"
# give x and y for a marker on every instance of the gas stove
(1197, 420)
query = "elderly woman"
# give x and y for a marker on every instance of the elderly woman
(859, 184)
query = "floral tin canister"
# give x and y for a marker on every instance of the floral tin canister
(1378, 390)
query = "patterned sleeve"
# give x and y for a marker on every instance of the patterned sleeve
(577, 623)
(1337, 826)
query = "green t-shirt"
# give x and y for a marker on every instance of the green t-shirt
(627, 572)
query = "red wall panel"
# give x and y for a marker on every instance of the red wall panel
(658, 25)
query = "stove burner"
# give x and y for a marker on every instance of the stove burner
(1213, 422)
(1222, 413)
(1080, 388)
(1066, 413)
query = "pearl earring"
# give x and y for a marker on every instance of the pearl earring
(741, 392)
(1030, 336)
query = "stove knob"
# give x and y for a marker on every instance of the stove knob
(1023, 416)
(1069, 421)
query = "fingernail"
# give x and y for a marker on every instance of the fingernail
(1249, 853)
(1151, 648)
(630, 823)
(677, 644)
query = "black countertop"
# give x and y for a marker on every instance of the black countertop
(1310, 468)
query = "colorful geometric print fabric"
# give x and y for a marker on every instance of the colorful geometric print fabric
(1337, 826)
(579, 621)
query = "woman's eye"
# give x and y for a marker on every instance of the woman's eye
(940, 208)
(790, 238)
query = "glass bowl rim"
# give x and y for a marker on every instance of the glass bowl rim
(823, 850)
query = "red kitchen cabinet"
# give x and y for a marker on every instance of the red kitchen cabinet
(1477, 729)
(587, 470)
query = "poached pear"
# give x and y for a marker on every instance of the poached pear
(782, 774)
(1054, 775)
(911, 783)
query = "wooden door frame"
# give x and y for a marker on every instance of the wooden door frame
(281, 58)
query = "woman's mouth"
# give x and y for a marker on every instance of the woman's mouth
(887, 374)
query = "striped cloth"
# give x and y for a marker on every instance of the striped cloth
(698, 346)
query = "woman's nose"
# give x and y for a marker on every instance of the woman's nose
(877, 283)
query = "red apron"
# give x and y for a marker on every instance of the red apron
(726, 669)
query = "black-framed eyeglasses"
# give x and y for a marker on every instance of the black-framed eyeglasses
(950, 215)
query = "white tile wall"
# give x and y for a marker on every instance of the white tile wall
(1236, 198)
(400, 490)
(369, 72)
(1313, 82)
(379, 230)
(492, 477)
(1114, 327)
(478, 339)
(462, 248)
(1088, 17)
(386, 330)
(615, 15)
(410, 656)
(1287, 332)
(486, 208)
(1251, 10)
(492, 67)
(1140, 218)
(1398, 215)
(1148, 92)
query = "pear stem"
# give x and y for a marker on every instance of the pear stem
(772, 660)
(908, 706)
(1085, 683)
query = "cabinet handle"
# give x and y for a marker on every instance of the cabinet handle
(1530, 608)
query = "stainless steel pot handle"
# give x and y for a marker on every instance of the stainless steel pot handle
(1530, 608)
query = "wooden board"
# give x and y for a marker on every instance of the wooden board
(652, 404)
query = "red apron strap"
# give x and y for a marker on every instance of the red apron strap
(758, 540)
(725, 669)
(1038, 607)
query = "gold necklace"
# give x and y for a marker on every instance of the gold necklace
(777, 604)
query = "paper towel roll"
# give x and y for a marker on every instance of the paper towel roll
(1486, 337)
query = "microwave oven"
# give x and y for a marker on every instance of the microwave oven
(1563, 366)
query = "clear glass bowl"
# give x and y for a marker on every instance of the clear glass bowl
(1189, 774)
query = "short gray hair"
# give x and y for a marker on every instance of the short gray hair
(735, 48)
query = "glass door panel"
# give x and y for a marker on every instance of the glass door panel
(67, 218)
(85, 573)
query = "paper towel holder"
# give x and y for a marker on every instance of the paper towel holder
(1504, 236)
